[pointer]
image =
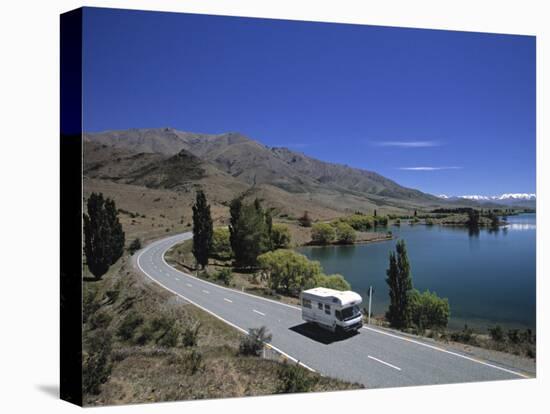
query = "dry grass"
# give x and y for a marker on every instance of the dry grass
(149, 372)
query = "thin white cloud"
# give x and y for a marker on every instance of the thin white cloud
(408, 144)
(428, 168)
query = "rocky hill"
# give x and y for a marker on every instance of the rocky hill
(229, 164)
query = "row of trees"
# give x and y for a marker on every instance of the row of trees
(103, 235)
(339, 232)
(254, 241)
(408, 306)
(251, 232)
(343, 230)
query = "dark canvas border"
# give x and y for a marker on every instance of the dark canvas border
(71, 206)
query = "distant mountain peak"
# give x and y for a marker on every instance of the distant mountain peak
(517, 199)
(505, 196)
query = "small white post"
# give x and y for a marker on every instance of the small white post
(370, 301)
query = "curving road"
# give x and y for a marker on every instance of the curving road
(374, 357)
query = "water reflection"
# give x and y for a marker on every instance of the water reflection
(520, 226)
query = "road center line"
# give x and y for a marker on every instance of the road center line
(177, 279)
(216, 315)
(258, 312)
(436, 348)
(189, 284)
(384, 362)
(228, 300)
(223, 287)
(205, 291)
(174, 241)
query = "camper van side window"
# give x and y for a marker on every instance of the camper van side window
(327, 309)
(306, 303)
(320, 305)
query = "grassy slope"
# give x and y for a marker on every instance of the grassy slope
(148, 372)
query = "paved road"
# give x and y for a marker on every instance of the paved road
(374, 357)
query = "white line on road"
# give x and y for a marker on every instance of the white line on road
(189, 284)
(384, 362)
(258, 312)
(177, 279)
(436, 348)
(217, 316)
(205, 291)
(222, 287)
(227, 300)
(177, 239)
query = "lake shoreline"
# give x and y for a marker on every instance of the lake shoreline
(507, 251)
(358, 242)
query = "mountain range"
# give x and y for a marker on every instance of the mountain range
(230, 164)
(528, 200)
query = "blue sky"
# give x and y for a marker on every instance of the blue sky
(441, 111)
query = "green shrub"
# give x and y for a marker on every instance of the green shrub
(514, 336)
(358, 222)
(345, 234)
(323, 233)
(96, 366)
(305, 220)
(134, 246)
(90, 304)
(294, 378)
(170, 337)
(464, 336)
(155, 329)
(280, 236)
(429, 311)
(288, 271)
(528, 337)
(100, 320)
(381, 221)
(253, 343)
(112, 295)
(190, 335)
(496, 333)
(129, 325)
(224, 275)
(221, 245)
(193, 361)
(335, 281)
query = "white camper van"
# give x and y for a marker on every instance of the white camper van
(332, 309)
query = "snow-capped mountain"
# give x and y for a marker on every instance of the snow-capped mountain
(518, 196)
(476, 197)
(520, 199)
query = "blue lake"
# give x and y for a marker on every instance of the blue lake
(489, 277)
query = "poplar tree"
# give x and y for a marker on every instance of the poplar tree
(202, 230)
(117, 237)
(400, 286)
(250, 229)
(103, 234)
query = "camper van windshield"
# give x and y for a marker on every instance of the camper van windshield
(349, 313)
